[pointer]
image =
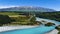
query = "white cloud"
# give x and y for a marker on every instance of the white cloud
(7, 6)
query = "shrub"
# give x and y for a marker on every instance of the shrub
(49, 24)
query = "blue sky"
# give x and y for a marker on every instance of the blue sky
(52, 4)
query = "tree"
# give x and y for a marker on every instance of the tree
(4, 19)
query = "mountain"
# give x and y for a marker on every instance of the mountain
(36, 9)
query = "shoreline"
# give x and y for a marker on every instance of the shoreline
(53, 32)
(8, 28)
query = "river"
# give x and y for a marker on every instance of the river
(37, 30)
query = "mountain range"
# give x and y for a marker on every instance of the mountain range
(28, 8)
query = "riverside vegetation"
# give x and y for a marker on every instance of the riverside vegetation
(26, 18)
(50, 15)
(16, 18)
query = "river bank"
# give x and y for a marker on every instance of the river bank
(7, 28)
(53, 32)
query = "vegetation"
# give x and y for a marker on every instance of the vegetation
(17, 18)
(49, 24)
(4, 19)
(24, 18)
(49, 15)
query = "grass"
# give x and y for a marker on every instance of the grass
(8, 13)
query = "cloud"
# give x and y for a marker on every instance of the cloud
(7, 6)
